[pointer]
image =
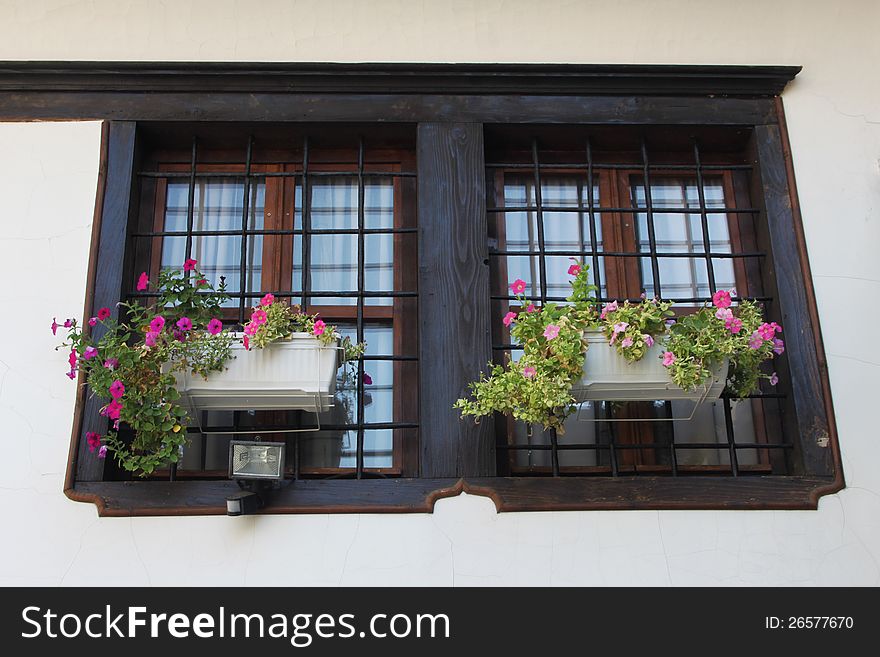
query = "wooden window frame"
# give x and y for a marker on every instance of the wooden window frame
(449, 105)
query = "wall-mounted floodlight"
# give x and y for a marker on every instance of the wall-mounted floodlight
(256, 466)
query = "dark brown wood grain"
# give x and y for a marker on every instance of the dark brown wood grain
(204, 77)
(808, 402)
(110, 260)
(454, 327)
(162, 498)
(182, 106)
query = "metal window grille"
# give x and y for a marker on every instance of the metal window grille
(587, 245)
(248, 233)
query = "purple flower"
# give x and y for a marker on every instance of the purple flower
(609, 308)
(55, 325)
(778, 346)
(72, 358)
(150, 338)
(184, 324)
(774, 379)
(756, 341)
(71, 375)
(111, 363)
(215, 326)
(157, 324)
(90, 353)
(551, 331)
(102, 452)
(509, 319)
(627, 342)
(668, 358)
(68, 323)
(648, 340)
(112, 410)
(766, 331)
(620, 327)
(724, 314)
(93, 321)
(368, 380)
(117, 389)
(529, 372)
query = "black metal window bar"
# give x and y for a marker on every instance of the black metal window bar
(591, 253)
(245, 297)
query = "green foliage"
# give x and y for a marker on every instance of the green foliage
(633, 328)
(537, 388)
(150, 404)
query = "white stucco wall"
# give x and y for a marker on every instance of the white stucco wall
(48, 176)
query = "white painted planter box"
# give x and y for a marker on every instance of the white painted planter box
(294, 374)
(609, 376)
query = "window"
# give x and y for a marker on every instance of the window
(580, 193)
(442, 181)
(329, 225)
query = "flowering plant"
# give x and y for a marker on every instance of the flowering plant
(720, 331)
(537, 388)
(272, 321)
(131, 363)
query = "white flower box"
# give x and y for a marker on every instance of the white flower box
(609, 376)
(298, 373)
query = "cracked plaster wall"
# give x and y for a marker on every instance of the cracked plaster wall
(47, 183)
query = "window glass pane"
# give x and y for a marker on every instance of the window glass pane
(217, 206)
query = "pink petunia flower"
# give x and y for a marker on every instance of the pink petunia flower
(668, 358)
(774, 379)
(157, 324)
(143, 282)
(112, 410)
(184, 324)
(518, 286)
(68, 323)
(767, 331)
(89, 353)
(551, 331)
(102, 452)
(55, 326)
(756, 341)
(246, 342)
(734, 325)
(531, 308)
(574, 270)
(117, 389)
(215, 326)
(529, 372)
(251, 329)
(190, 265)
(150, 338)
(267, 300)
(776, 327)
(93, 321)
(72, 358)
(94, 440)
(103, 314)
(724, 314)
(111, 363)
(201, 282)
(620, 327)
(509, 319)
(259, 316)
(721, 299)
(778, 346)
(626, 342)
(609, 308)
(368, 380)
(320, 327)
(648, 340)
(71, 375)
